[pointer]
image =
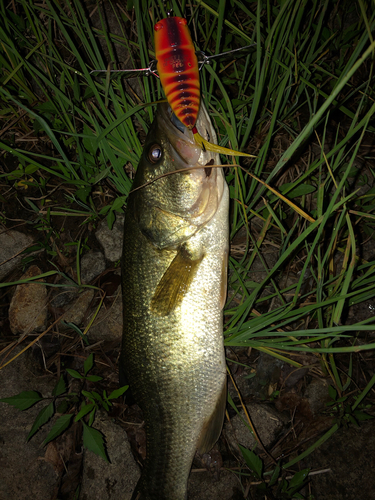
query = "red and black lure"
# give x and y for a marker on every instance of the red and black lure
(178, 67)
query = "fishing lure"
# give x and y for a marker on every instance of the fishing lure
(178, 67)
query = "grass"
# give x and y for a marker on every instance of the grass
(302, 101)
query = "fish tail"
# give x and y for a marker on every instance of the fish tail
(215, 148)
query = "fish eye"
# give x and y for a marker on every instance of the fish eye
(154, 153)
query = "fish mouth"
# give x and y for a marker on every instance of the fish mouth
(182, 138)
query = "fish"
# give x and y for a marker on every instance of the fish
(177, 66)
(174, 281)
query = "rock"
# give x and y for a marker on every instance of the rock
(76, 313)
(24, 473)
(28, 309)
(317, 395)
(108, 324)
(350, 454)
(267, 377)
(267, 421)
(111, 240)
(115, 480)
(11, 244)
(63, 295)
(92, 264)
(203, 486)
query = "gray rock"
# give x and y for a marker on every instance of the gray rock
(350, 456)
(108, 324)
(24, 472)
(267, 376)
(267, 421)
(63, 295)
(92, 264)
(115, 480)
(76, 313)
(28, 309)
(111, 240)
(317, 395)
(203, 486)
(11, 244)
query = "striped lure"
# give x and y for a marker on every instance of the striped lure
(177, 65)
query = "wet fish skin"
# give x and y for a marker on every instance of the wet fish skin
(174, 287)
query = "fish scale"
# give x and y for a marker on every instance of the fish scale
(174, 286)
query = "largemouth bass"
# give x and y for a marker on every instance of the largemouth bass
(174, 288)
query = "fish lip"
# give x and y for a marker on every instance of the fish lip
(175, 134)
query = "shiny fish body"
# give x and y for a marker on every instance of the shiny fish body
(177, 65)
(174, 287)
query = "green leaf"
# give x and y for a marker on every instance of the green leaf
(275, 475)
(97, 396)
(74, 373)
(85, 409)
(43, 416)
(88, 395)
(61, 424)
(253, 461)
(93, 440)
(63, 406)
(88, 364)
(298, 190)
(299, 478)
(92, 417)
(24, 400)
(94, 378)
(60, 387)
(332, 392)
(118, 392)
(359, 415)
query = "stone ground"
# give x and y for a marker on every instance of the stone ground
(286, 425)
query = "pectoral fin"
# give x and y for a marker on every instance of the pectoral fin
(212, 428)
(174, 284)
(215, 148)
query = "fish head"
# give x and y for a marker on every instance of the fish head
(176, 177)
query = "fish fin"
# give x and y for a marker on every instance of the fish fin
(212, 428)
(224, 280)
(215, 148)
(175, 283)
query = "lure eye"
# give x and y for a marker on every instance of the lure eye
(154, 153)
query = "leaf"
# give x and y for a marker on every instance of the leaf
(74, 373)
(118, 392)
(60, 387)
(24, 400)
(43, 416)
(92, 417)
(332, 392)
(299, 190)
(93, 440)
(97, 396)
(253, 461)
(85, 409)
(299, 478)
(88, 395)
(61, 424)
(275, 475)
(88, 364)
(94, 378)
(63, 406)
